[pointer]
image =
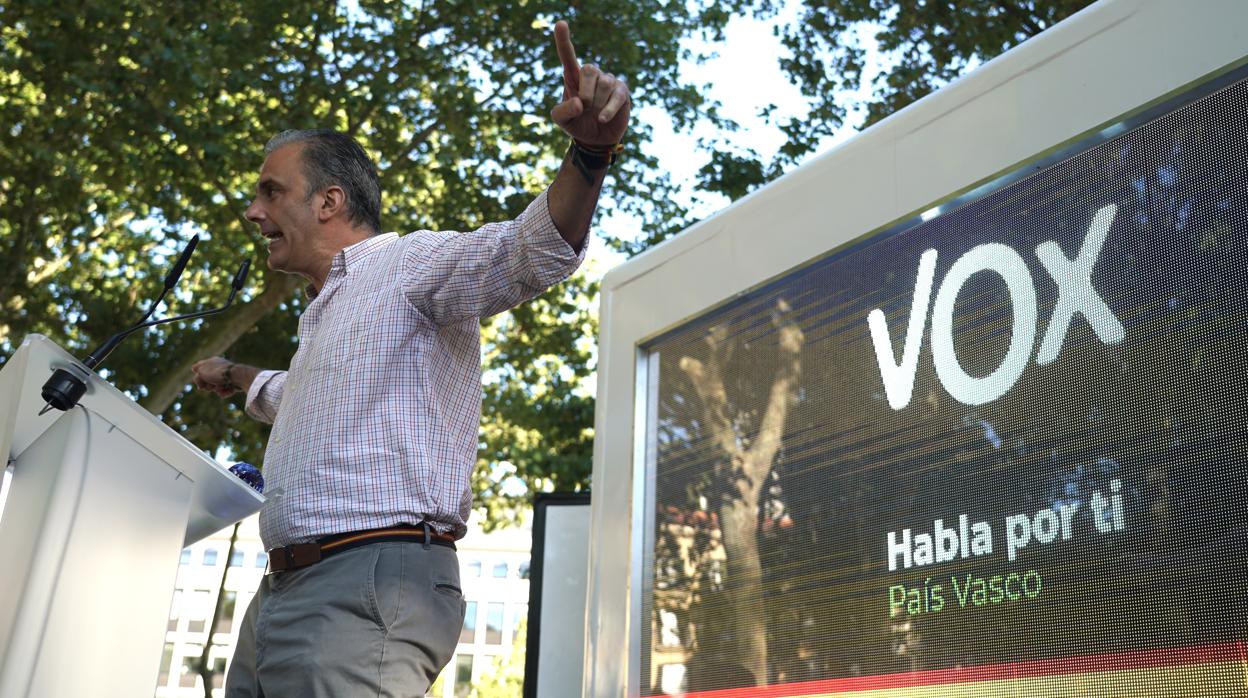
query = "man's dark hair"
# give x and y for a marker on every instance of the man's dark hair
(332, 158)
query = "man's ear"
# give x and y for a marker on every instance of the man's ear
(332, 202)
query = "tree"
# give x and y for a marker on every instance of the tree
(128, 126)
(505, 678)
(131, 126)
(219, 610)
(925, 45)
(746, 434)
(708, 570)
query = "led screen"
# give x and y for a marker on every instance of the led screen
(1000, 452)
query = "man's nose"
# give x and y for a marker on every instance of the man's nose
(254, 213)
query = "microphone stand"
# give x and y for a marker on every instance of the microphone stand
(67, 385)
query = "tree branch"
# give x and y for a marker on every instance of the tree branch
(420, 137)
(16, 257)
(34, 278)
(1023, 19)
(218, 339)
(760, 456)
(312, 55)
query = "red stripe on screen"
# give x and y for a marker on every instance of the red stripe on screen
(1115, 661)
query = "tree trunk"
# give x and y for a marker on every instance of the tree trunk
(166, 388)
(205, 671)
(743, 584)
(741, 480)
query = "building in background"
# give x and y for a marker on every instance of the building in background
(494, 569)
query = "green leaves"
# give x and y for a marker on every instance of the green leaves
(129, 126)
(894, 53)
(925, 44)
(125, 127)
(538, 407)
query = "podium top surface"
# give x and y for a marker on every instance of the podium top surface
(219, 498)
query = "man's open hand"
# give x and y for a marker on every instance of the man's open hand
(595, 104)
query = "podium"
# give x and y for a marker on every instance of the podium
(103, 498)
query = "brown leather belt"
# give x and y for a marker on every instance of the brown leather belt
(299, 555)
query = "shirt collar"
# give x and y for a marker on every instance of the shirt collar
(352, 255)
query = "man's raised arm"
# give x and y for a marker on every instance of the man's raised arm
(594, 112)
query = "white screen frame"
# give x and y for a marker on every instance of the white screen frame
(1061, 87)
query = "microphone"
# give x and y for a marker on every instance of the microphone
(64, 388)
(236, 285)
(171, 279)
(240, 276)
(176, 272)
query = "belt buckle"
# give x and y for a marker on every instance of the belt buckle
(295, 556)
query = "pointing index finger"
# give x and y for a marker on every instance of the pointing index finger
(567, 56)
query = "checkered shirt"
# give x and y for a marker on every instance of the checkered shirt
(376, 421)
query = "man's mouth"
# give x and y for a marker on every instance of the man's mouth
(273, 236)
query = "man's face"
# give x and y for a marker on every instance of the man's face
(285, 215)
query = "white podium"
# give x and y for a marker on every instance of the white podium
(102, 500)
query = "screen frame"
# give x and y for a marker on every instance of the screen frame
(565, 644)
(1013, 116)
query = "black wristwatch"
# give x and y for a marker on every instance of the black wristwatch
(590, 159)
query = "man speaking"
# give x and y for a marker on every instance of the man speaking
(375, 421)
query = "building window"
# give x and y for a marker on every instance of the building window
(500, 570)
(175, 609)
(218, 672)
(186, 556)
(469, 632)
(198, 608)
(524, 569)
(236, 558)
(225, 622)
(494, 624)
(463, 675)
(519, 615)
(190, 666)
(473, 569)
(262, 559)
(210, 558)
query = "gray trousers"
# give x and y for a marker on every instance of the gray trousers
(380, 620)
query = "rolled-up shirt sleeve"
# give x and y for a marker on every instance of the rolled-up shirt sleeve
(265, 395)
(451, 277)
